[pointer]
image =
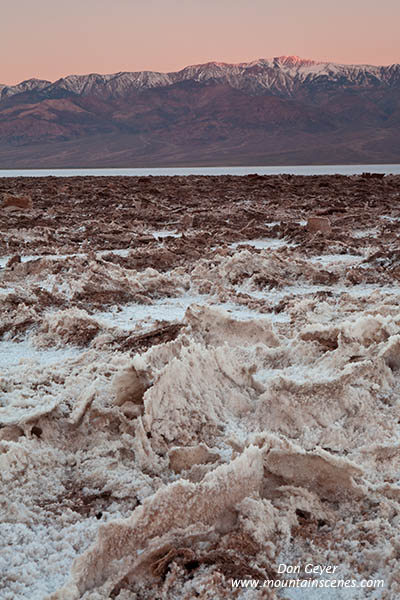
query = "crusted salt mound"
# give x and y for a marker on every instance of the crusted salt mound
(216, 327)
(71, 326)
(206, 504)
(257, 436)
(222, 393)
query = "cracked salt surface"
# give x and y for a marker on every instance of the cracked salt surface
(14, 353)
(173, 309)
(31, 257)
(162, 233)
(167, 309)
(357, 290)
(266, 243)
(120, 252)
(365, 289)
(298, 374)
(244, 313)
(328, 259)
(99, 254)
(390, 218)
(365, 233)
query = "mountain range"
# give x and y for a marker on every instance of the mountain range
(284, 110)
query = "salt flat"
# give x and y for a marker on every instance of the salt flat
(180, 407)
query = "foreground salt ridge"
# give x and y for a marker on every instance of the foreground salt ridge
(269, 389)
(299, 396)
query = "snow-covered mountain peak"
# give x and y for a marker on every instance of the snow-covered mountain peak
(25, 86)
(283, 75)
(294, 61)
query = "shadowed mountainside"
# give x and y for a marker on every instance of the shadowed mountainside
(285, 110)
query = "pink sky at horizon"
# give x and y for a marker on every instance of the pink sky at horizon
(49, 40)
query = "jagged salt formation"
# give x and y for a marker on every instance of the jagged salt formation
(247, 444)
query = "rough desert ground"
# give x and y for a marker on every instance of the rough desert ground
(199, 381)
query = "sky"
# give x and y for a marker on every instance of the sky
(49, 39)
